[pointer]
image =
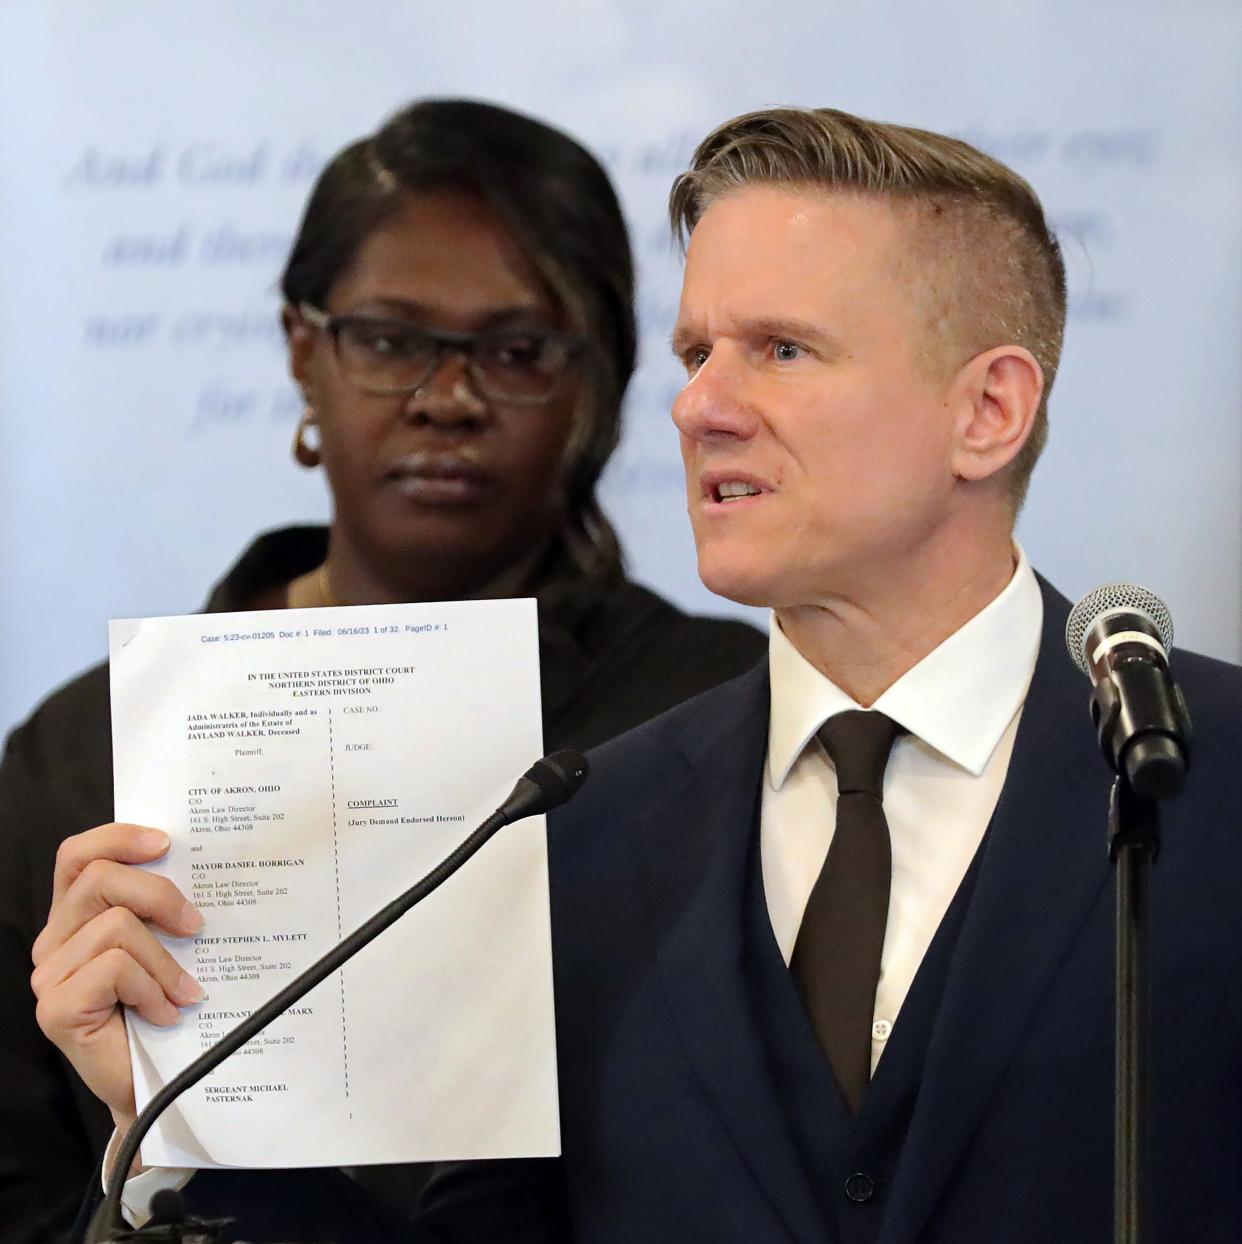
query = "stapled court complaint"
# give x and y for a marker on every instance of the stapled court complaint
(308, 765)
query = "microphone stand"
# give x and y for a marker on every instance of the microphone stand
(1119, 636)
(1146, 740)
(1133, 846)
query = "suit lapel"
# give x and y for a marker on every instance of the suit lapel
(695, 866)
(1045, 860)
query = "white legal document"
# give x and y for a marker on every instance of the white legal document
(310, 765)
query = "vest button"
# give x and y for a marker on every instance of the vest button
(860, 1188)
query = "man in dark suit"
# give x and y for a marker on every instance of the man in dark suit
(832, 942)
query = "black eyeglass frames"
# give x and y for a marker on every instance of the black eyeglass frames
(390, 356)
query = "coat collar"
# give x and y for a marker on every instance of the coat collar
(695, 870)
(1045, 862)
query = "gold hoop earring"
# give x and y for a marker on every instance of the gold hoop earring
(305, 454)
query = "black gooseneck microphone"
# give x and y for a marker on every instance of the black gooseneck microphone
(547, 784)
(1119, 636)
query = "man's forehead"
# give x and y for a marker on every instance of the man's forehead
(778, 252)
(797, 215)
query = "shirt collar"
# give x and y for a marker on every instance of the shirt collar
(958, 699)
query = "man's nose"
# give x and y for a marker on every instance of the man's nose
(715, 404)
(447, 397)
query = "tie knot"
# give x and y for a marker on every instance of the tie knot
(858, 744)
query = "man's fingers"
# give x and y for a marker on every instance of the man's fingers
(72, 1012)
(103, 884)
(96, 954)
(116, 929)
(127, 844)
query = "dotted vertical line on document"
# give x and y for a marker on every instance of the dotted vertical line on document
(336, 866)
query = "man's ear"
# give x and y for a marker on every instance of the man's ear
(998, 394)
(300, 341)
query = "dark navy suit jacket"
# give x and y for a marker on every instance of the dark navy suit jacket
(672, 1130)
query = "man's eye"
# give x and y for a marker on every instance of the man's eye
(786, 351)
(694, 358)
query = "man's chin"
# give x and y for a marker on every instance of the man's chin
(736, 583)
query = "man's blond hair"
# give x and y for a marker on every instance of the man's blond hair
(985, 264)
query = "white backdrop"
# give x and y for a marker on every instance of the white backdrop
(154, 158)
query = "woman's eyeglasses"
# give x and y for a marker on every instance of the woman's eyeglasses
(393, 356)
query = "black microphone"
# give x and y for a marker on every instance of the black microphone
(1119, 636)
(547, 784)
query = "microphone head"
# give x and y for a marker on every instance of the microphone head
(1114, 598)
(558, 777)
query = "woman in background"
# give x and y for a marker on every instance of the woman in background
(458, 311)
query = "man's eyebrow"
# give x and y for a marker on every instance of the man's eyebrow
(795, 328)
(681, 338)
(807, 331)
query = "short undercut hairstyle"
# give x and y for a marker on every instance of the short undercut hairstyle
(981, 258)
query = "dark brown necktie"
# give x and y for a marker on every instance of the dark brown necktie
(836, 958)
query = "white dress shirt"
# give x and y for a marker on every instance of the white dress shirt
(960, 704)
